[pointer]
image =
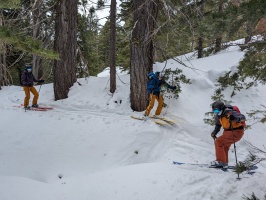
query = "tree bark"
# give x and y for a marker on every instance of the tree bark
(142, 51)
(113, 46)
(200, 47)
(218, 44)
(66, 45)
(219, 38)
(36, 19)
(200, 38)
(1, 65)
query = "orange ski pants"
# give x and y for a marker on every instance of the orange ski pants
(154, 97)
(27, 91)
(223, 143)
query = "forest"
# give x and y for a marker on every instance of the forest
(64, 40)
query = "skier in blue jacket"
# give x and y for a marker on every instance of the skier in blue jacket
(154, 88)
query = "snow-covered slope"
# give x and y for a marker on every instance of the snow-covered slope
(88, 147)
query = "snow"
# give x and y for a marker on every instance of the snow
(88, 146)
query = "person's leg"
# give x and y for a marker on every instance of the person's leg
(223, 143)
(226, 150)
(151, 104)
(36, 95)
(160, 105)
(27, 95)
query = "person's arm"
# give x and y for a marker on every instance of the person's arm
(38, 81)
(217, 128)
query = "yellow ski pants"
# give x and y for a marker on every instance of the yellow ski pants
(27, 91)
(154, 97)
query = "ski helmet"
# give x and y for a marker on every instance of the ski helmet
(217, 105)
(157, 73)
(28, 68)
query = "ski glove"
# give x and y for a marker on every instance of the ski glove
(40, 81)
(174, 87)
(213, 136)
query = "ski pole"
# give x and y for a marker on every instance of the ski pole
(39, 89)
(234, 145)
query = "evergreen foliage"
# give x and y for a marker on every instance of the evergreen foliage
(18, 45)
(249, 162)
(259, 115)
(256, 155)
(254, 158)
(245, 17)
(251, 70)
(14, 4)
(178, 27)
(89, 59)
(175, 78)
(20, 41)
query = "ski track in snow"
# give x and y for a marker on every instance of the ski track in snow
(175, 141)
(134, 163)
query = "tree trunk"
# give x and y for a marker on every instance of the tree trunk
(200, 47)
(36, 20)
(141, 59)
(249, 31)
(200, 38)
(218, 44)
(113, 47)
(218, 40)
(66, 45)
(1, 68)
(1, 65)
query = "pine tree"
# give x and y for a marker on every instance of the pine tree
(17, 46)
(142, 52)
(66, 44)
(113, 46)
(89, 57)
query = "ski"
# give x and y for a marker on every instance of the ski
(204, 165)
(156, 121)
(170, 121)
(40, 108)
(230, 167)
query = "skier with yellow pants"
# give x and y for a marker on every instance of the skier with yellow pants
(154, 88)
(27, 80)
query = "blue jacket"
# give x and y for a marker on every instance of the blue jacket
(154, 84)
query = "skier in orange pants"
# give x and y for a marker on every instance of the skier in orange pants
(233, 125)
(223, 143)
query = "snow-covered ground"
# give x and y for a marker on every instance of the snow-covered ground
(88, 146)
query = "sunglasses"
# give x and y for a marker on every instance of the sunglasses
(216, 111)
